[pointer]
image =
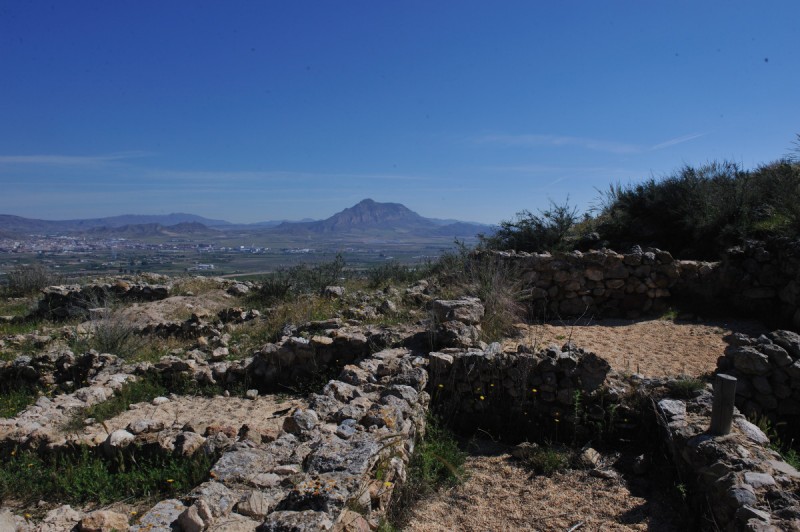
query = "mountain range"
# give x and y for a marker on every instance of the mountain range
(365, 218)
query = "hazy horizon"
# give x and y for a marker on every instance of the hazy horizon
(270, 111)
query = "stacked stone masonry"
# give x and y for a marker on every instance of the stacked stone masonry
(601, 282)
(734, 481)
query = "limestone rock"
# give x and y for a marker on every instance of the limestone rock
(255, 504)
(104, 521)
(160, 517)
(305, 521)
(468, 310)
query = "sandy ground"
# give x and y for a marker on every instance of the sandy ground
(654, 348)
(501, 495)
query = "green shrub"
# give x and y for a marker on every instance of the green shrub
(287, 283)
(546, 460)
(546, 231)
(700, 212)
(394, 272)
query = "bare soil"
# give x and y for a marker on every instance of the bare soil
(500, 494)
(653, 348)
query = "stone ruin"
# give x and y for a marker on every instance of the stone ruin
(333, 461)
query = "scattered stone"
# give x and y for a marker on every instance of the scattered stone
(255, 504)
(160, 517)
(104, 521)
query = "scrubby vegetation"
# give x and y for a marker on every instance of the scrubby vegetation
(28, 279)
(695, 212)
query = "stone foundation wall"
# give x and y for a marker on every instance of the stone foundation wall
(67, 301)
(767, 369)
(762, 279)
(547, 395)
(735, 482)
(600, 283)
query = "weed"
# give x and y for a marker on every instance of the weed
(495, 283)
(685, 386)
(143, 389)
(83, 476)
(546, 460)
(787, 450)
(15, 396)
(110, 332)
(437, 462)
(670, 314)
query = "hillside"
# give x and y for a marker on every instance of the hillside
(21, 225)
(152, 229)
(369, 216)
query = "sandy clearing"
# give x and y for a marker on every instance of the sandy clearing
(654, 348)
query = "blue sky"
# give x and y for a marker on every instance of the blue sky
(253, 111)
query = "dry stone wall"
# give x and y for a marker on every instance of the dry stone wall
(767, 369)
(600, 282)
(762, 279)
(67, 301)
(546, 395)
(735, 482)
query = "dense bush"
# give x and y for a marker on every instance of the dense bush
(699, 212)
(695, 212)
(545, 231)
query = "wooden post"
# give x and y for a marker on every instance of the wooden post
(722, 409)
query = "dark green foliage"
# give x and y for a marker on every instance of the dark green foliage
(530, 232)
(546, 460)
(83, 476)
(699, 212)
(437, 461)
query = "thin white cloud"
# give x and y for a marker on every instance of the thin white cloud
(269, 175)
(677, 140)
(71, 160)
(559, 140)
(607, 146)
